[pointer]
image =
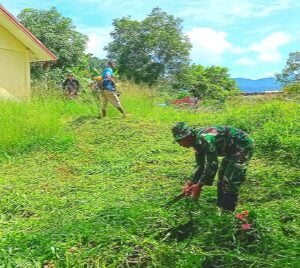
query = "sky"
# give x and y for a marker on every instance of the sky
(250, 37)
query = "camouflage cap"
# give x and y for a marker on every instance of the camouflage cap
(181, 130)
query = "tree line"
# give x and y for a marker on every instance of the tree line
(153, 51)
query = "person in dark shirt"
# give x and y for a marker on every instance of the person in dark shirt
(71, 86)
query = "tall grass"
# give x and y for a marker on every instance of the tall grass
(28, 124)
(36, 123)
(274, 124)
(96, 203)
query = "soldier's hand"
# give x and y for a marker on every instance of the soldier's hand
(194, 191)
(186, 186)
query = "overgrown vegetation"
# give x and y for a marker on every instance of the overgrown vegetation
(292, 89)
(207, 82)
(149, 50)
(81, 192)
(153, 51)
(77, 191)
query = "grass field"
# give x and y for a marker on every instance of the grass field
(81, 192)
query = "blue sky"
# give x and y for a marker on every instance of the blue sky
(250, 37)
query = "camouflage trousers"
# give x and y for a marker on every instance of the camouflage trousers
(232, 173)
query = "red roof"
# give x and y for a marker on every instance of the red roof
(27, 33)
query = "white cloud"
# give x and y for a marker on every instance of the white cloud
(269, 74)
(268, 48)
(98, 39)
(226, 12)
(271, 7)
(245, 61)
(208, 44)
(238, 50)
(15, 6)
(120, 7)
(102, 4)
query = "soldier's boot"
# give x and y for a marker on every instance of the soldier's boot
(229, 201)
(103, 113)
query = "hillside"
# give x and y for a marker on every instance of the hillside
(81, 192)
(259, 85)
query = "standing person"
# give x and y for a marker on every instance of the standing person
(233, 144)
(108, 90)
(71, 86)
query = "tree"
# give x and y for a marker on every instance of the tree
(96, 63)
(209, 82)
(291, 71)
(149, 50)
(58, 34)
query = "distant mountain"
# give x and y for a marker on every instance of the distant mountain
(259, 85)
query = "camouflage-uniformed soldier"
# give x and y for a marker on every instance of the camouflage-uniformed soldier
(209, 143)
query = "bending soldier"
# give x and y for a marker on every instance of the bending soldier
(233, 144)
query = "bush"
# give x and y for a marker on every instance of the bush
(274, 125)
(292, 89)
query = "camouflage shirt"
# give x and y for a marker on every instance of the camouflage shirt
(217, 141)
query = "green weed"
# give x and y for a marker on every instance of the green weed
(77, 191)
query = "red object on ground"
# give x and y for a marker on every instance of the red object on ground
(185, 100)
(243, 215)
(246, 226)
(240, 216)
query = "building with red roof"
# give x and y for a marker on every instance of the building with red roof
(18, 48)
